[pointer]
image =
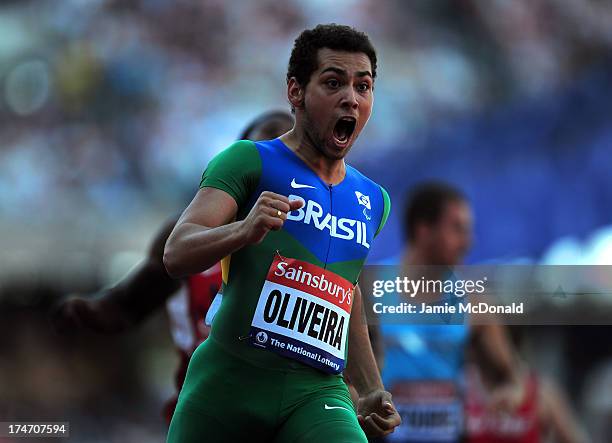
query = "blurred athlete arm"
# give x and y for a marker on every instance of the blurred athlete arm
(495, 346)
(556, 415)
(376, 413)
(125, 305)
(206, 232)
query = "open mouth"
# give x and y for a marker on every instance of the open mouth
(344, 129)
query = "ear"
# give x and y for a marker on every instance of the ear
(295, 93)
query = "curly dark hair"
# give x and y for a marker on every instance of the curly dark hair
(303, 61)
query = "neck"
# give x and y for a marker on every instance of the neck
(330, 170)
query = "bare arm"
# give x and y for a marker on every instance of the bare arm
(205, 232)
(148, 287)
(495, 350)
(557, 417)
(361, 366)
(129, 302)
(376, 413)
(376, 338)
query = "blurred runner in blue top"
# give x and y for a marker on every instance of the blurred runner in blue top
(423, 363)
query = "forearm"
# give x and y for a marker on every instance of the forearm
(130, 301)
(109, 314)
(361, 366)
(558, 417)
(496, 351)
(147, 287)
(378, 347)
(193, 248)
(103, 313)
(375, 335)
(142, 292)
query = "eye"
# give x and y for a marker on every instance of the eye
(363, 87)
(332, 83)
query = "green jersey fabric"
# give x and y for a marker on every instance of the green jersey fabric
(234, 391)
(334, 230)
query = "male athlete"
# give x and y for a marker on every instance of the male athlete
(293, 224)
(423, 362)
(144, 290)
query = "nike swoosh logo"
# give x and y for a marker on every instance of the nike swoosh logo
(295, 185)
(335, 407)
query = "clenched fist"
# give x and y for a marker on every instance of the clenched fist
(268, 214)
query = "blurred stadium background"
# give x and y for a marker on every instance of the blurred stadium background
(110, 110)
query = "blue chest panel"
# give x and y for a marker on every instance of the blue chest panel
(337, 223)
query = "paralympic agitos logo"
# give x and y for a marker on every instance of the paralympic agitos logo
(343, 228)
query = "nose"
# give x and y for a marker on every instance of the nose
(349, 99)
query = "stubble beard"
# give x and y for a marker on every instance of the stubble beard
(314, 139)
(311, 135)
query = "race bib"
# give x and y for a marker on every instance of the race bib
(430, 411)
(303, 313)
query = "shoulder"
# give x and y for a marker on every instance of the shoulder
(358, 175)
(235, 170)
(377, 191)
(235, 157)
(366, 181)
(238, 149)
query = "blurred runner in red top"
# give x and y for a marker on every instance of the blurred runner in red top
(124, 306)
(524, 409)
(486, 423)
